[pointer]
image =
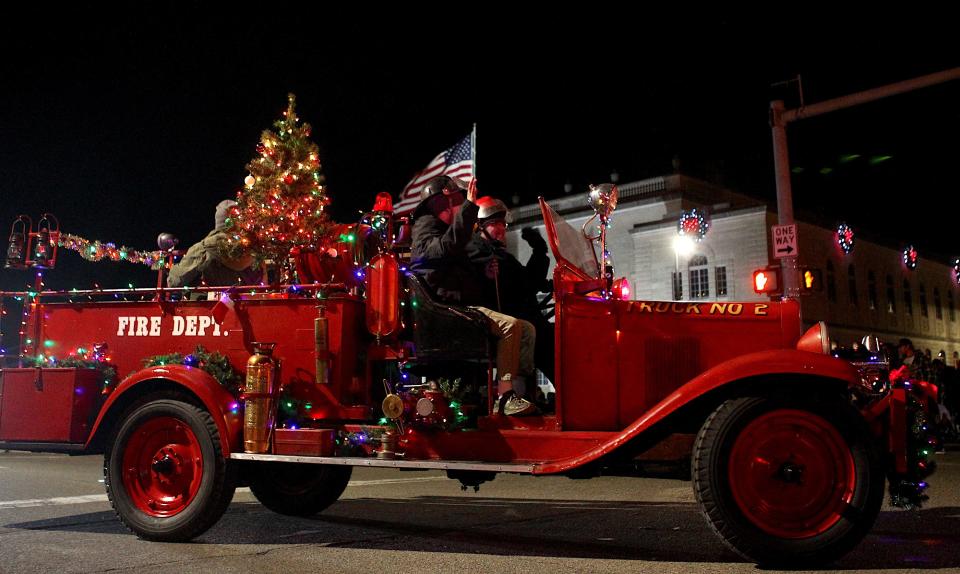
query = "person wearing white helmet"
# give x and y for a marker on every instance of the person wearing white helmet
(511, 286)
(443, 225)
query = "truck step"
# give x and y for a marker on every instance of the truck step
(521, 468)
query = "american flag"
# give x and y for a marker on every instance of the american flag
(455, 162)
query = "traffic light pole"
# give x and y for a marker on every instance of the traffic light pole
(780, 117)
(781, 170)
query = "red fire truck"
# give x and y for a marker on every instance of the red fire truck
(788, 448)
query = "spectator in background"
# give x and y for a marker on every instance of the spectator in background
(917, 362)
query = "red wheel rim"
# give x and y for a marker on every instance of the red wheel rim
(791, 473)
(162, 466)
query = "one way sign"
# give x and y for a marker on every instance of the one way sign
(784, 240)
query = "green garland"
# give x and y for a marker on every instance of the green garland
(360, 443)
(459, 397)
(215, 363)
(107, 370)
(97, 250)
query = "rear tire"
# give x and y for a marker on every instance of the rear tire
(298, 489)
(790, 481)
(165, 471)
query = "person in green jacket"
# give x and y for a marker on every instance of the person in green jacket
(204, 262)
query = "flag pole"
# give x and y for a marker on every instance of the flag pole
(473, 148)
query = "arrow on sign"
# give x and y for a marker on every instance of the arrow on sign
(788, 250)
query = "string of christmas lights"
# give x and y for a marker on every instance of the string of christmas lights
(282, 204)
(3, 350)
(214, 363)
(95, 356)
(96, 250)
(907, 490)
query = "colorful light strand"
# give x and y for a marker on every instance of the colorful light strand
(283, 203)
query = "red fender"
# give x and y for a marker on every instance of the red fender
(764, 363)
(221, 405)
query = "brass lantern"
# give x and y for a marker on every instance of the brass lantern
(44, 246)
(17, 247)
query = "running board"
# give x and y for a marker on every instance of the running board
(391, 463)
(59, 447)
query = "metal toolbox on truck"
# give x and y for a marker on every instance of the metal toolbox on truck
(48, 405)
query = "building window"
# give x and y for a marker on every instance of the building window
(852, 285)
(677, 285)
(952, 314)
(907, 297)
(699, 277)
(831, 283)
(721, 274)
(937, 308)
(891, 296)
(872, 290)
(923, 301)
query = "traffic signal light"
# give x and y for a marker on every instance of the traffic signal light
(810, 280)
(767, 280)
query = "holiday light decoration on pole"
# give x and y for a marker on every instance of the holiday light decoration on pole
(956, 270)
(845, 237)
(694, 224)
(910, 257)
(283, 200)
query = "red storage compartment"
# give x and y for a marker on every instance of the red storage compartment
(303, 442)
(48, 405)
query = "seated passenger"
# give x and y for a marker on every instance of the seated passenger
(442, 228)
(512, 287)
(205, 262)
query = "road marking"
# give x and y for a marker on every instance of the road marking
(59, 501)
(89, 498)
(395, 480)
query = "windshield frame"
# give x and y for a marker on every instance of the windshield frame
(569, 246)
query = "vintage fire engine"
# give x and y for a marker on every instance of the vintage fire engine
(788, 448)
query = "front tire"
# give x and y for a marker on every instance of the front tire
(298, 489)
(787, 481)
(165, 471)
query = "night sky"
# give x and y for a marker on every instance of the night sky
(126, 126)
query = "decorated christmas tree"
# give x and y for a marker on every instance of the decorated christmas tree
(282, 204)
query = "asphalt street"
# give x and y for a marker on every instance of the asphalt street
(54, 517)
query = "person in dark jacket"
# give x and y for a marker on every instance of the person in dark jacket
(511, 286)
(443, 226)
(917, 361)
